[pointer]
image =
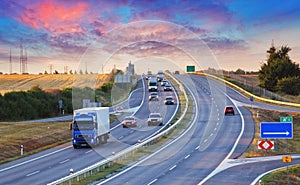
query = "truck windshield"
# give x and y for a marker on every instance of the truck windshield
(83, 124)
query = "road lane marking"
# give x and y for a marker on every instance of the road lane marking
(33, 173)
(34, 159)
(152, 182)
(197, 147)
(62, 162)
(187, 156)
(88, 151)
(172, 167)
(121, 137)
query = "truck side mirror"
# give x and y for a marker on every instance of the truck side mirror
(71, 126)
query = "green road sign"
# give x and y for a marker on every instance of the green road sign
(286, 119)
(190, 68)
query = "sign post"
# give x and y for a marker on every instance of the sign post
(287, 159)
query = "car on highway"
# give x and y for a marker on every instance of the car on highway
(129, 121)
(168, 87)
(153, 96)
(155, 119)
(169, 100)
(229, 110)
(164, 82)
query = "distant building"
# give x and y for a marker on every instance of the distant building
(130, 69)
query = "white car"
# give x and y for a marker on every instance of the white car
(155, 119)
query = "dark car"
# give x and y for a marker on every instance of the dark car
(168, 87)
(153, 96)
(129, 121)
(229, 110)
(169, 100)
(155, 119)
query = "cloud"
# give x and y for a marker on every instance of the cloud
(54, 16)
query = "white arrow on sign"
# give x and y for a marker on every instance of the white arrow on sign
(276, 133)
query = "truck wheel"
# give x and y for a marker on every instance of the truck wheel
(75, 146)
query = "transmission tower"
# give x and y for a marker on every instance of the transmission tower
(10, 62)
(51, 68)
(23, 60)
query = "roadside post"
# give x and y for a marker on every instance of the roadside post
(22, 150)
(60, 106)
(251, 100)
(287, 159)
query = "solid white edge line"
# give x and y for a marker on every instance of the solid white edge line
(216, 171)
(187, 156)
(270, 171)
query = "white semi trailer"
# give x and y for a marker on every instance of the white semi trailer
(91, 126)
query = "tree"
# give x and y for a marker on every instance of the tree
(290, 85)
(278, 66)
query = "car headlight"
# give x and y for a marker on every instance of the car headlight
(74, 141)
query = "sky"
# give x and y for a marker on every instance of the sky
(97, 35)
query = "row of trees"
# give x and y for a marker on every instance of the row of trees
(280, 74)
(37, 104)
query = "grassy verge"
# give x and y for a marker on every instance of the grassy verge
(278, 177)
(34, 137)
(280, 144)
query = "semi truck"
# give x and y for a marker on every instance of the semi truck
(90, 126)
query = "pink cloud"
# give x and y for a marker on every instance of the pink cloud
(55, 17)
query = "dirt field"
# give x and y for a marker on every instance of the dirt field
(55, 81)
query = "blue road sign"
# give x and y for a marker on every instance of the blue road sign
(276, 130)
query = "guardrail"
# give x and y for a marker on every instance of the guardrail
(120, 156)
(248, 94)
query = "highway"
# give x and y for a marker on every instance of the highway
(200, 154)
(55, 163)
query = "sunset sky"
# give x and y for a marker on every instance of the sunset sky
(90, 34)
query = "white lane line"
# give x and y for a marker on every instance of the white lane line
(121, 137)
(172, 167)
(187, 156)
(131, 131)
(197, 147)
(62, 162)
(211, 134)
(31, 160)
(215, 129)
(88, 151)
(33, 173)
(205, 140)
(152, 182)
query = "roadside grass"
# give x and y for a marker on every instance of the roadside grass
(280, 144)
(278, 177)
(34, 137)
